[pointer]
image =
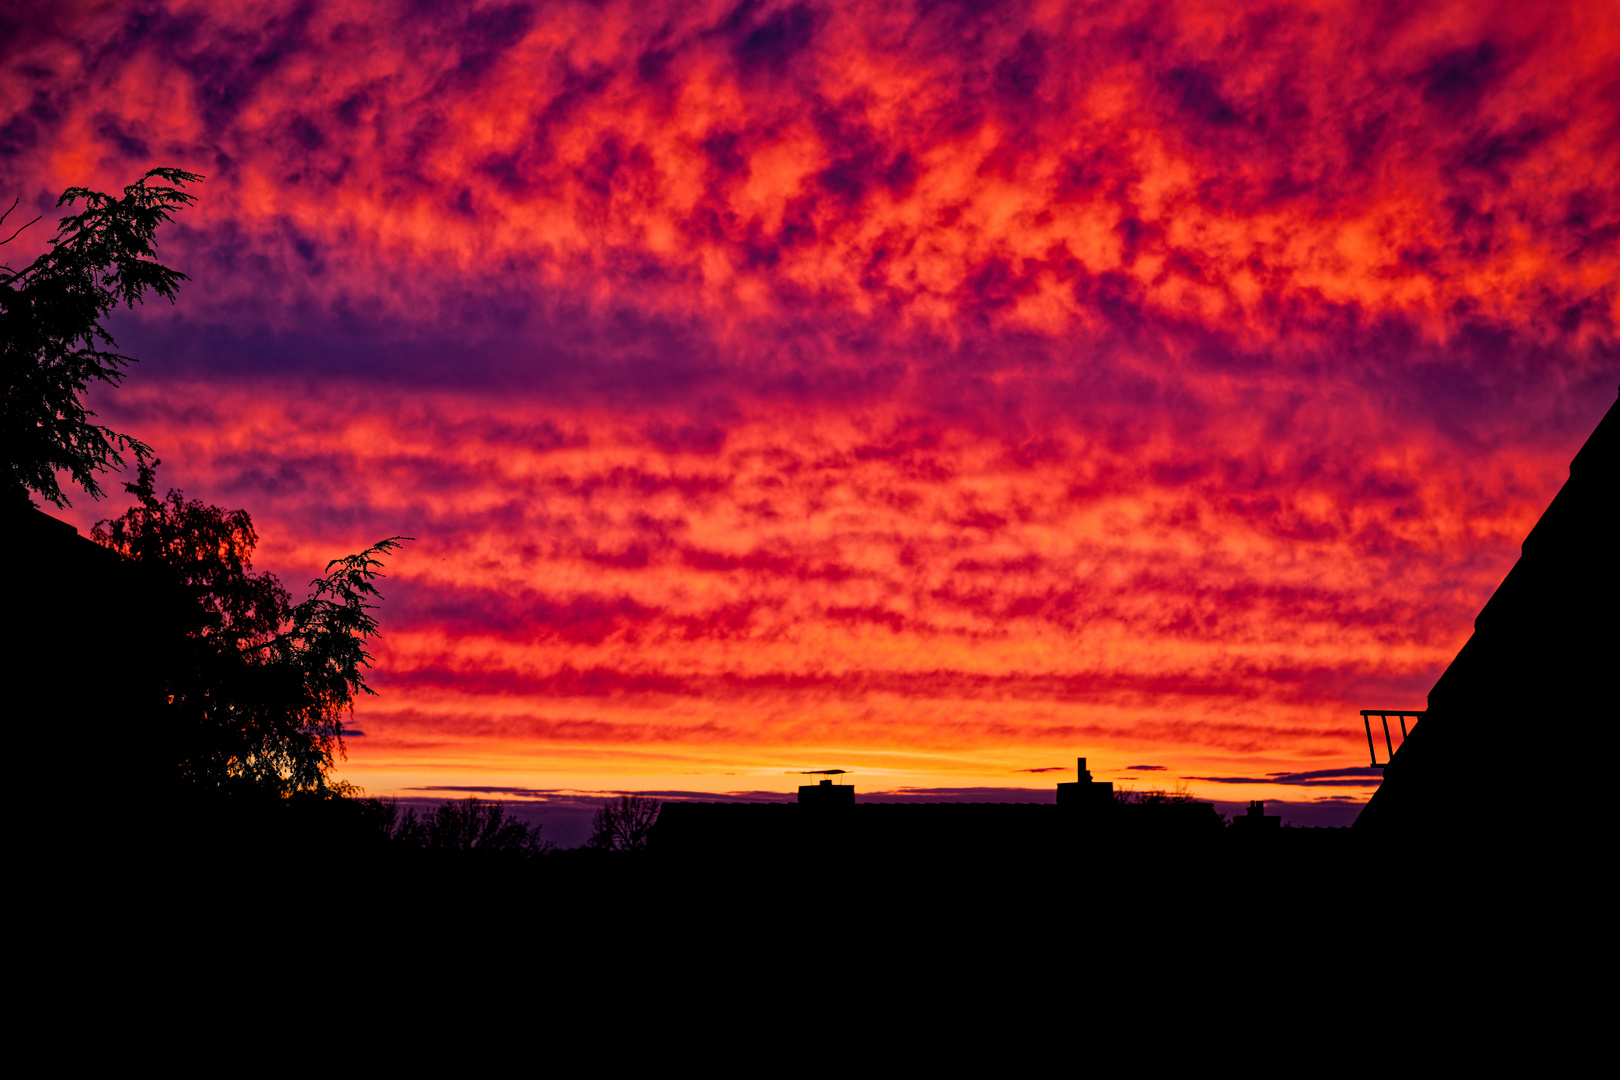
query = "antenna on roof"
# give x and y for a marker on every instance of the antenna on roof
(818, 772)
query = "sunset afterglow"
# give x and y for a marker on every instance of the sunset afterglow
(934, 391)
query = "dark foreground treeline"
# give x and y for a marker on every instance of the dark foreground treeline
(209, 825)
(979, 847)
(362, 897)
(631, 829)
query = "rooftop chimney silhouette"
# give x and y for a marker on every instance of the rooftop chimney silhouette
(827, 793)
(1086, 793)
(1257, 819)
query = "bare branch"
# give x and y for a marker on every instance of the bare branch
(18, 233)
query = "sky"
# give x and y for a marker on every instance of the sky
(937, 391)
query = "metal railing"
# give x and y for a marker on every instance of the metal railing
(1389, 745)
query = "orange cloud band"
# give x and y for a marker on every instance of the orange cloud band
(939, 389)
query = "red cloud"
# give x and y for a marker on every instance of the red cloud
(876, 379)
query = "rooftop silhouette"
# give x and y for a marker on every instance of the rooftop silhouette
(1535, 683)
(828, 819)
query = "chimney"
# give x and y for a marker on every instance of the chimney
(1257, 820)
(1086, 792)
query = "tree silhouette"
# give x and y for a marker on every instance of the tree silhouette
(51, 337)
(467, 826)
(257, 687)
(623, 824)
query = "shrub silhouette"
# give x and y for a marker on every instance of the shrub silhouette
(1180, 793)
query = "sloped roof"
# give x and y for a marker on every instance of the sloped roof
(1531, 697)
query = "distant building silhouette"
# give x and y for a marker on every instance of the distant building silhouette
(828, 821)
(826, 793)
(1085, 793)
(1536, 681)
(1256, 820)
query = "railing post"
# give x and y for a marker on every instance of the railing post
(1389, 740)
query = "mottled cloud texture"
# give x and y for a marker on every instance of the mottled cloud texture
(934, 390)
